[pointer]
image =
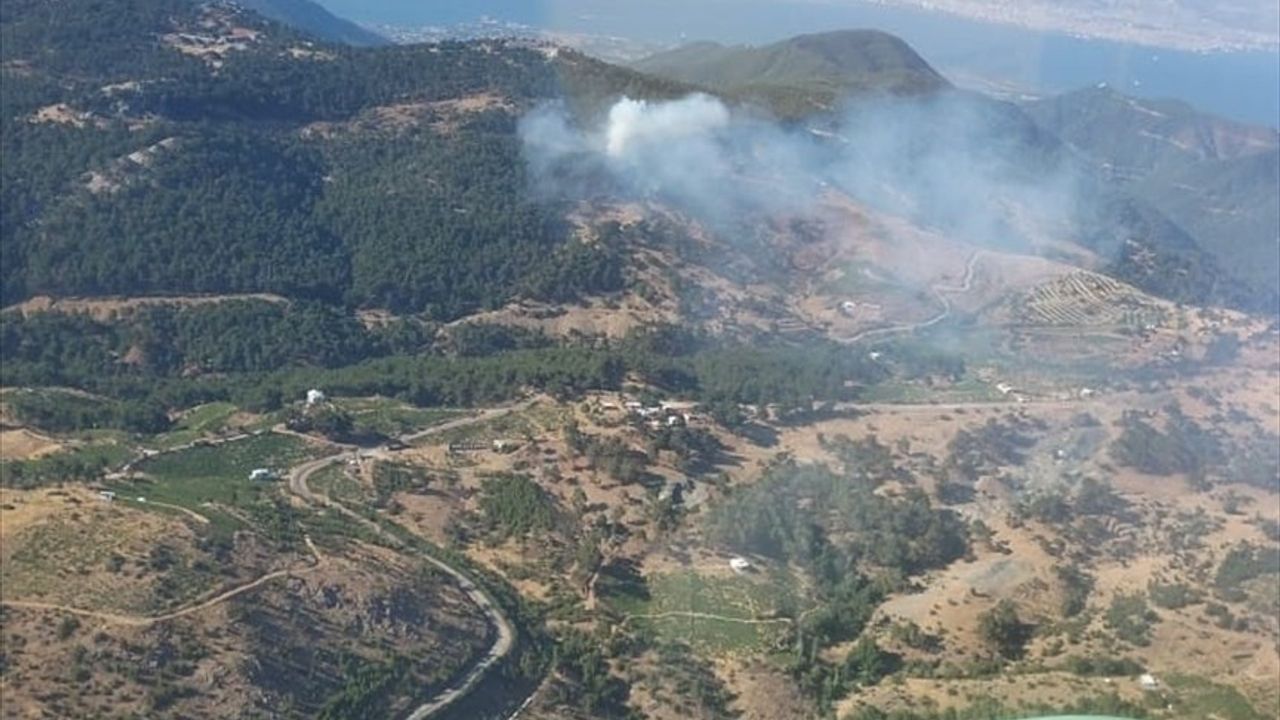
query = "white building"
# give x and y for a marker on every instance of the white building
(1148, 681)
(261, 474)
(739, 564)
(314, 397)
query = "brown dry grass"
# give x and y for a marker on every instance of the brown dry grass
(55, 544)
(23, 444)
(110, 308)
(1053, 688)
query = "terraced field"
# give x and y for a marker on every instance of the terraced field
(1087, 299)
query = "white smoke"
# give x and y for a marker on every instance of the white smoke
(947, 161)
(638, 126)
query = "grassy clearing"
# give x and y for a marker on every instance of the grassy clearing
(533, 421)
(195, 476)
(389, 417)
(857, 278)
(105, 557)
(1197, 697)
(336, 482)
(74, 464)
(196, 423)
(754, 597)
(966, 390)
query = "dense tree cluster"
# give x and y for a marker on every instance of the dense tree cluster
(190, 179)
(793, 514)
(1002, 629)
(788, 513)
(514, 505)
(1183, 446)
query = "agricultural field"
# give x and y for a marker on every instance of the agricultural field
(716, 614)
(1088, 299)
(209, 479)
(391, 418)
(967, 389)
(339, 481)
(529, 422)
(198, 422)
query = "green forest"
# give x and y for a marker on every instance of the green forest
(191, 179)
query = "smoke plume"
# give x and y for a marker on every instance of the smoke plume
(969, 166)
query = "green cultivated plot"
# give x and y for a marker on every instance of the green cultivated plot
(750, 612)
(196, 423)
(196, 476)
(389, 417)
(335, 481)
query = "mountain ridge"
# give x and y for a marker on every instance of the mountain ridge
(825, 65)
(312, 17)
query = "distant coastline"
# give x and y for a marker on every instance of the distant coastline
(1242, 84)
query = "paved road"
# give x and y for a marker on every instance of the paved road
(504, 636)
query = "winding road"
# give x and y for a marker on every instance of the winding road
(504, 635)
(940, 292)
(504, 632)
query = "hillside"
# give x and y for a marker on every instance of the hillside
(468, 380)
(234, 155)
(1140, 137)
(1219, 180)
(311, 18)
(805, 71)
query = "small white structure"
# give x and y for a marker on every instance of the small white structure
(1004, 388)
(106, 495)
(1148, 681)
(739, 564)
(141, 499)
(314, 397)
(874, 355)
(261, 474)
(1086, 393)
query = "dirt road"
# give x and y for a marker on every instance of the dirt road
(143, 621)
(940, 292)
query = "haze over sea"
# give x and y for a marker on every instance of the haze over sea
(1243, 85)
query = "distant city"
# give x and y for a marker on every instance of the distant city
(606, 47)
(1195, 25)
